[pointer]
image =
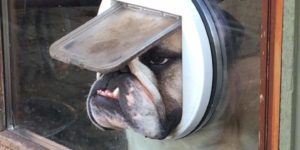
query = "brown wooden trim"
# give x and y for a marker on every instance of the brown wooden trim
(271, 45)
(2, 93)
(12, 141)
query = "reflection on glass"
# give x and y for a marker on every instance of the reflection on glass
(49, 96)
(234, 125)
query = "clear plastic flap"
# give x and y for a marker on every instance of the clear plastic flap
(110, 40)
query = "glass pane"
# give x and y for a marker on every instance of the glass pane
(235, 123)
(49, 96)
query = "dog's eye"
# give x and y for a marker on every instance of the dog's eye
(159, 61)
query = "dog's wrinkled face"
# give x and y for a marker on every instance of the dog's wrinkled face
(144, 96)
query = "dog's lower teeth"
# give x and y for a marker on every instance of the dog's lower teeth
(109, 94)
(100, 92)
(116, 92)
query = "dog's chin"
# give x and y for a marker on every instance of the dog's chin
(120, 100)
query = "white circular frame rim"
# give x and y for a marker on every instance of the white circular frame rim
(196, 55)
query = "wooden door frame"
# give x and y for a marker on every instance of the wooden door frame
(271, 52)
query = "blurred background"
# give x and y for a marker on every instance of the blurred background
(49, 96)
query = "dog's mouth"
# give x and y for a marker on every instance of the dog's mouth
(120, 100)
(119, 84)
(107, 93)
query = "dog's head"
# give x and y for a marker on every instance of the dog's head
(145, 95)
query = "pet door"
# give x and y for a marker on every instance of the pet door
(120, 34)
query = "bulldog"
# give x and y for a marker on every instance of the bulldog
(145, 96)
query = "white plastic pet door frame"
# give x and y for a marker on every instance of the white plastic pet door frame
(197, 59)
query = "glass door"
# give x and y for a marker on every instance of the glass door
(48, 98)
